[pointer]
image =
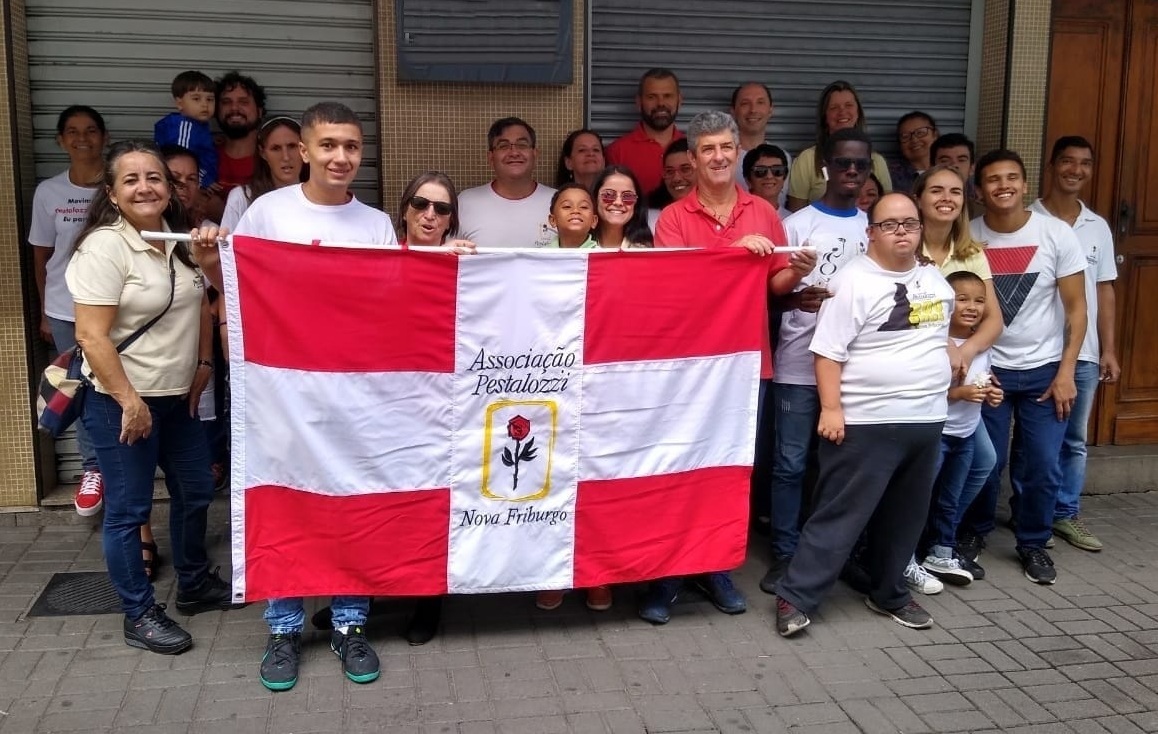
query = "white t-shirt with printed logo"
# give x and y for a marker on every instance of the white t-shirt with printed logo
(1026, 265)
(839, 236)
(1097, 243)
(286, 215)
(489, 220)
(964, 416)
(59, 211)
(890, 331)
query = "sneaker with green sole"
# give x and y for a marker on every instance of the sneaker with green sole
(1073, 531)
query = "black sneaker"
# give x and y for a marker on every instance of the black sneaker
(358, 659)
(912, 615)
(155, 632)
(789, 619)
(279, 665)
(211, 595)
(970, 545)
(973, 567)
(1038, 565)
(423, 625)
(775, 571)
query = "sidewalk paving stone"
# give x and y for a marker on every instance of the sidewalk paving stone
(1005, 656)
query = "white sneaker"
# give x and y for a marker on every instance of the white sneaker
(920, 580)
(948, 570)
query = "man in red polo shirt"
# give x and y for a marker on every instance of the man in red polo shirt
(718, 213)
(641, 150)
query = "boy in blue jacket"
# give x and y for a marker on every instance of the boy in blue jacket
(193, 93)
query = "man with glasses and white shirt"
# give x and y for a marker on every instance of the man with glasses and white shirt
(511, 210)
(916, 132)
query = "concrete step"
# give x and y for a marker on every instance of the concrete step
(1115, 469)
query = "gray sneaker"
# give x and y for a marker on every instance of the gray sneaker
(912, 615)
(1073, 531)
(948, 570)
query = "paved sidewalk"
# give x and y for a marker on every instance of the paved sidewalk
(1006, 655)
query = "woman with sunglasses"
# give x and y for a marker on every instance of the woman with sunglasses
(428, 213)
(765, 170)
(839, 107)
(278, 164)
(621, 208)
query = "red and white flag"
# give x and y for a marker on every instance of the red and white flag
(415, 423)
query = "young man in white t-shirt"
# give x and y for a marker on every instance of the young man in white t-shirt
(1038, 274)
(838, 230)
(1070, 169)
(512, 209)
(880, 424)
(322, 210)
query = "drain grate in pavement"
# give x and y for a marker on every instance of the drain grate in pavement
(87, 592)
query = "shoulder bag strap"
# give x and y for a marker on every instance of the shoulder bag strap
(139, 332)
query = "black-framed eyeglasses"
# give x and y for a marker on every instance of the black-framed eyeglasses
(920, 133)
(421, 204)
(766, 171)
(895, 226)
(841, 163)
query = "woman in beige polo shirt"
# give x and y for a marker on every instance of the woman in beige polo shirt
(140, 411)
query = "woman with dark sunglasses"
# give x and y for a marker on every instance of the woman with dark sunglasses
(428, 213)
(765, 169)
(621, 208)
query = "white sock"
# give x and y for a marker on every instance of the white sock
(343, 629)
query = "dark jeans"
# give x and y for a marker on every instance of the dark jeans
(177, 444)
(953, 470)
(797, 408)
(1040, 435)
(880, 478)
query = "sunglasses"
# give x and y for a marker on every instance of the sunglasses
(420, 204)
(766, 171)
(844, 164)
(608, 197)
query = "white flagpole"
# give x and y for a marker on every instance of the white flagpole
(227, 240)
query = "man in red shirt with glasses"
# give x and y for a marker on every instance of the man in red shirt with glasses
(718, 213)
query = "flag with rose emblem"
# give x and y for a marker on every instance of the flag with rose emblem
(415, 423)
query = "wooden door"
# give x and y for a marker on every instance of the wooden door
(1103, 85)
(1131, 410)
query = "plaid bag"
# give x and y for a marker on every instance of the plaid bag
(60, 399)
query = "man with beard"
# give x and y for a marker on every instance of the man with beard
(240, 107)
(511, 210)
(641, 150)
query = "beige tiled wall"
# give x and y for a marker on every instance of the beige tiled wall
(443, 126)
(1016, 119)
(17, 456)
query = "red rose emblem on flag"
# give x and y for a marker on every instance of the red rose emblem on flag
(518, 428)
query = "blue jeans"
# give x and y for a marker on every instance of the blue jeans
(1073, 452)
(797, 411)
(177, 444)
(952, 475)
(64, 337)
(984, 459)
(1041, 435)
(288, 615)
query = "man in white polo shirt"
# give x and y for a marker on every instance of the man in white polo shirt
(1071, 166)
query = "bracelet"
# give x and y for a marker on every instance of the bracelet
(204, 363)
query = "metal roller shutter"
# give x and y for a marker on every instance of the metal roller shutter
(119, 57)
(900, 56)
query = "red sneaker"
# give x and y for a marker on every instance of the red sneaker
(91, 494)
